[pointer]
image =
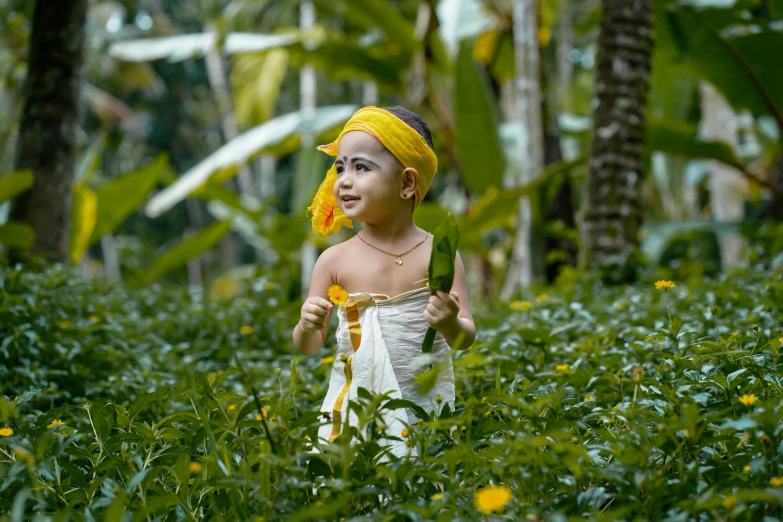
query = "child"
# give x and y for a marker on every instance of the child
(384, 165)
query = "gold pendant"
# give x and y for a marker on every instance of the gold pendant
(398, 261)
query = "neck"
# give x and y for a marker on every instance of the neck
(392, 231)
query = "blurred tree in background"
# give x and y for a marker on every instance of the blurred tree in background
(195, 157)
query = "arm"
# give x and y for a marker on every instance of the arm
(450, 313)
(313, 326)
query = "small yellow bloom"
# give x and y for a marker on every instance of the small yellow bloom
(734, 334)
(664, 285)
(65, 324)
(6, 432)
(232, 407)
(780, 340)
(22, 455)
(730, 502)
(437, 496)
(195, 467)
(327, 360)
(337, 294)
(746, 469)
(748, 400)
(776, 482)
(544, 36)
(405, 434)
(561, 367)
(589, 397)
(542, 298)
(744, 441)
(94, 318)
(492, 498)
(55, 423)
(269, 286)
(521, 305)
(264, 413)
(246, 330)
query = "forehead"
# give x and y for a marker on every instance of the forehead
(360, 143)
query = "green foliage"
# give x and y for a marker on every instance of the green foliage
(606, 403)
(440, 274)
(14, 184)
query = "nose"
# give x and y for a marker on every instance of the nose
(345, 179)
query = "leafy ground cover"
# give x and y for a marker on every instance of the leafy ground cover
(631, 403)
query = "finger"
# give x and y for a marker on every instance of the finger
(321, 303)
(456, 295)
(429, 318)
(315, 310)
(434, 311)
(314, 319)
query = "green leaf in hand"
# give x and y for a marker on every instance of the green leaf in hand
(442, 266)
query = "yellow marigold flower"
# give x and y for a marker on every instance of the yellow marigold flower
(744, 441)
(665, 285)
(734, 334)
(746, 469)
(748, 400)
(232, 407)
(730, 502)
(437, 496)
(543, 297)
(65, 324)
(337, 294)
(195, 467)
(55, 423)
(327, 360)
(780, 340)
(6, 432)
(246, 330)
(492, 498)
(561, 367)
(405, 434)
(515, 305)
(776, 482)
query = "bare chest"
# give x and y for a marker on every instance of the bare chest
(362, 269)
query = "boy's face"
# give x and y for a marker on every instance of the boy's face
(369, 179)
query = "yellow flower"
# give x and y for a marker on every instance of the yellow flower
(94, 318)
(589, 397)
(22, 455)
(544, 36)
(327, 360)
(232, 407)
(746, 469)
(734, 334)
(543, 297)
(780, 340)
(65, 324)
(561, 367)
(6, 432)
(195, 467)
(730, 502)
(437, 496)
(246, 330)
(264, 413)
(525, 306)
(337, 294)
(776, 482)
(664, 285)
(492, 498)
(405, 434)
(748, 400)
(55, 423)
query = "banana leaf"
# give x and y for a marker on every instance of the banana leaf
(442, 266)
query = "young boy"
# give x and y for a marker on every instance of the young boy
(384, 165)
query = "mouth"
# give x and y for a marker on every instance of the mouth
(349, 198)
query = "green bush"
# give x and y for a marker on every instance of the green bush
(630, 403)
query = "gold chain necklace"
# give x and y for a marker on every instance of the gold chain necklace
(398, 261)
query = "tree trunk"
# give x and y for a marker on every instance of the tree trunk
(612, 207)
(307, 102)
(727, 187)
(47, 130)
(527, 113)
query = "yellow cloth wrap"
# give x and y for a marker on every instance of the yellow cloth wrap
(405, 144)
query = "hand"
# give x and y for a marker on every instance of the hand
(442, 311)
(316, 312)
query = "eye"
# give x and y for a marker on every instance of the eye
(340, 169)
(359, 166)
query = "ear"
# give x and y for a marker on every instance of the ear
(410, 182)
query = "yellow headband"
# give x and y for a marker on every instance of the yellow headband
(400, 139)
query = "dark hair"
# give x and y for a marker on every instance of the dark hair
(413, 121)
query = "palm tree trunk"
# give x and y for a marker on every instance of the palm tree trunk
(527, 113)
(47, 131)
(307, 103)
(612, 207)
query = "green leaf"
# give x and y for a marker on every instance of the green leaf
(145, 401)
(84, 208)
(17, 234)
(186, 250)
(429, 215)
(13, 184)
(246, 146)
(381, 14)
(479, 149)
(121, 197)
(442, 266)
(681, 139)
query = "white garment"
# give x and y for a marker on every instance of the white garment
(392, 332)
